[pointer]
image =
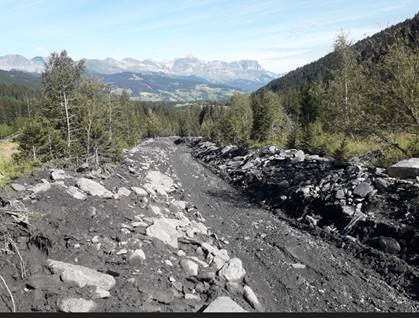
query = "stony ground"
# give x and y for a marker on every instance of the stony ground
(162, 233)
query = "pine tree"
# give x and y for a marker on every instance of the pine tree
(268, 117)
(61, 80)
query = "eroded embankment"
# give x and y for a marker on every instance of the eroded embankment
(364, 210)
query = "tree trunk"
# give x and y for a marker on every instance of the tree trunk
(67, 118)
(110, 117)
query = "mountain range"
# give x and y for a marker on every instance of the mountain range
(180, 79)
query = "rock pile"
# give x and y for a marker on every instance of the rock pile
(364, 203)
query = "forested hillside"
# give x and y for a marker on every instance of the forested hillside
(374, 47)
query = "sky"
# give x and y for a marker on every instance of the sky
(280, 34)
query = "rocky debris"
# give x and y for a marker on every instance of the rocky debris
(189, 266)
(224, 304)
(17, 187)
(352, 198)
(233, 270)
(252, 299)
(44, 186)
(76, 305)
(81, 276)
(405, 169)
(94, 188)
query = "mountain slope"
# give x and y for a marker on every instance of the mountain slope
(375, 46)
(159, 86)
(32, 80)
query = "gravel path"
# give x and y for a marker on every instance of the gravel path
(162, 233)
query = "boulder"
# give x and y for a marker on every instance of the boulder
(233, 270)
(224, 304)
(405, 169)
(80, 275)
(94, 188)
(76, 305)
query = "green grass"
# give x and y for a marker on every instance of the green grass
(11, 168)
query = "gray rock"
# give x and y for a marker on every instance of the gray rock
(348, 210)
(165, 230)
(101, 293)
(44, 282)
(156, 178)
(381, 184)
(75, 193)
(139, 191)
(136, 258)
(190, 267)
(252, 299)
(17, 187)
(224, 304)
(340, 194)
(233, 270)
(123, 192)
(44, 186)
(80, 275)
(76, 305)
(58, 174)
(248, 165)
(94, 188)
(299, 156)
(387, 244)
(363, 189)
(405, 169)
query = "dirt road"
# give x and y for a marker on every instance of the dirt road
(288, 269)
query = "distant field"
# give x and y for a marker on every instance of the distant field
(7, 149)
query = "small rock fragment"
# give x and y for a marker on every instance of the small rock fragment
(189, 266)
(76, 305)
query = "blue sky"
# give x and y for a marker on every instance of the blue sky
(280, 34)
